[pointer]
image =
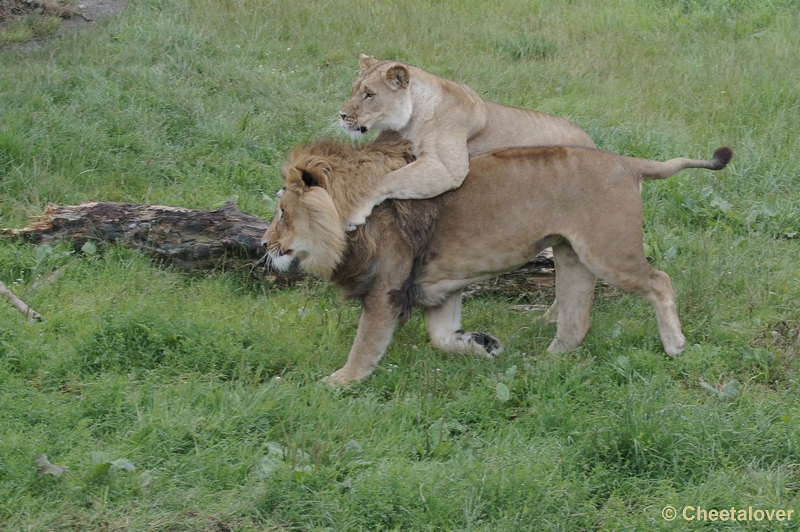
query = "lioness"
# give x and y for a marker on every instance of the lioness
(584, 202)
(445, 122)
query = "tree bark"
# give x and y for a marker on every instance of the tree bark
(199, 239)
(184, 238)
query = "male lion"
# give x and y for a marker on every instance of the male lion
(445, 122)
(584, 202)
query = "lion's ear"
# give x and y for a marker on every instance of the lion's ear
(302, 177)
(365, 61)
(314, 178)
(397, 77)
(294, 180)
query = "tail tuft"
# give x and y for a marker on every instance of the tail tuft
(721, 158)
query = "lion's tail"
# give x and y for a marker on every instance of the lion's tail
(657, 170)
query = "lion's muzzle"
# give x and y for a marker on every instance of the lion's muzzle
(279, 260)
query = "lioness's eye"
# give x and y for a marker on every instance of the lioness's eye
(368, 95)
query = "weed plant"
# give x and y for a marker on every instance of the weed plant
(149, 399)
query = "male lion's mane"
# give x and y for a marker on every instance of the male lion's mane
(352, 169)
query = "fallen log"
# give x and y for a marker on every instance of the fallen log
(182, 237)
(201, 239)
(188, 239)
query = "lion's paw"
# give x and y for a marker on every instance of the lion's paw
(341, 377)
(489, 343)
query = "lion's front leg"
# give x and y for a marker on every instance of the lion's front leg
(444, 327)
(375, 329)
(372, 339)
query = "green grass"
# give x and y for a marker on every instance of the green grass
(192, 402)
(28, 28)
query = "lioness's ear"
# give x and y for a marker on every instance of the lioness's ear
(365, 61)
(397, 77)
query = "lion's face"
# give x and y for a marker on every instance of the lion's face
(380, 99)
(306, 225)
(280, 238)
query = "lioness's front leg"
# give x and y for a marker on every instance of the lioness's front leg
(438, 168)
(444, 327)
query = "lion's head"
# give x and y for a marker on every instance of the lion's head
(381, 98)
(306, 225)
(323, 182)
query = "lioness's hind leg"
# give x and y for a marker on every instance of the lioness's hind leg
(444, 327)
(574, 290)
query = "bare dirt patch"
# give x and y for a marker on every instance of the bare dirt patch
(91, 10)
(74, 15)
(11, 9)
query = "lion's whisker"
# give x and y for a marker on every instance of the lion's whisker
(264, 259)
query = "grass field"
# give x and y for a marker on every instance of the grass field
(192, 402)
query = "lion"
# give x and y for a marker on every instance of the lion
(445, 122)
(585, 203)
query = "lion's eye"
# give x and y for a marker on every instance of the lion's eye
(368, 95)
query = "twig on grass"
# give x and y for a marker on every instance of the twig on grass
(18, 303)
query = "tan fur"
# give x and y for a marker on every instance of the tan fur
(584, 202)
(313, 231)
(445, 122)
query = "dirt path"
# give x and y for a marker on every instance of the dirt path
(91, 10)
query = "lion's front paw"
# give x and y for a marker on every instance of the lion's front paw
(340, 377)
(490, 344)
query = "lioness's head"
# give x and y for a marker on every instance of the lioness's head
(306, 226)
(380, 99)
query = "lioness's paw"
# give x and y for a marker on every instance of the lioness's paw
(490, 344)
(357, 218)
(353, 223)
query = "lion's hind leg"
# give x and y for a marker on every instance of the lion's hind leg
(444, 327)
(661, 295)
(632, 271)
(551, 315)
(574, 290)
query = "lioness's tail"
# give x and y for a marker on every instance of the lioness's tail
(656, 170)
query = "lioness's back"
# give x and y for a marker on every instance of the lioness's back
(509, 126)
